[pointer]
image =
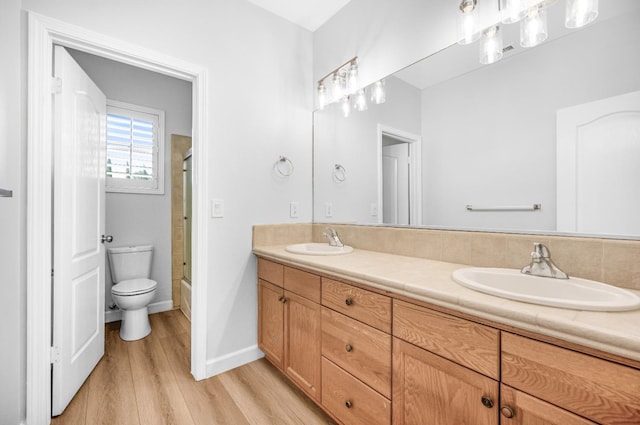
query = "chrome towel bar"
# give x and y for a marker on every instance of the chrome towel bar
(533, 207)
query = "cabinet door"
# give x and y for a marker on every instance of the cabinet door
(518, 408)
(271, 321)
(428, 389)
(302, 343)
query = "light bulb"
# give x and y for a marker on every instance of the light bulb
(468, 30)
(322, 96)
(360, 101)
(491, 45)
(346, 106)
(533, 28)
(378, 92)
(352, 77)
(338, 90)
(580, 12)
(514, 10)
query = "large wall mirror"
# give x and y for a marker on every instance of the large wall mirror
(545, 140)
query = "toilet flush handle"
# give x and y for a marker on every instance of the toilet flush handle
(107, 239)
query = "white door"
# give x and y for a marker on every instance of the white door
(395, 185)
(78, 208)
(598, 172)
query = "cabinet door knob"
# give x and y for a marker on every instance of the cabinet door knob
(348, 347)
(348, 301)
(487, 402)
(348, 404)
(507, 412)
(282, 299)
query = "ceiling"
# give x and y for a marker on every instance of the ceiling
(309, 14)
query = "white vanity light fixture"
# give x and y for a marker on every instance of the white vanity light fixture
(378, 92)
(467, 22)
(580, 13)
(533, 28)
(343, 82)
(491, 45)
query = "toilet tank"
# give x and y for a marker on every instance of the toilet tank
(130, 262)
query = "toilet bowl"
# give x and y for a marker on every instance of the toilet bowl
(132, 290)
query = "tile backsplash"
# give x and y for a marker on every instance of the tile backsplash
(612, 261)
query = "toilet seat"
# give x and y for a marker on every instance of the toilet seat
(134, 287)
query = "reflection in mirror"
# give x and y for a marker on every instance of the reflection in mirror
(499, 135)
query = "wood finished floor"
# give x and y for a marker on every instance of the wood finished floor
(147, 382)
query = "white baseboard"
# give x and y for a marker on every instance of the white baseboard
(230, 361)
(115, 315)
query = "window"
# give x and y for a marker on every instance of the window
(135, 149)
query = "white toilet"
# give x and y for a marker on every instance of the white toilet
(132, 290)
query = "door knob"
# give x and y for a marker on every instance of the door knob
(107, 239)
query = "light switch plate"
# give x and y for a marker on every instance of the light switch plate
(217, 208)
(328, 209)
(293, 209)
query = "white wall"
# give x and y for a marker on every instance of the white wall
(260, 102)
(132, 218)
(352, 143)
(12, 215)
(489, 136)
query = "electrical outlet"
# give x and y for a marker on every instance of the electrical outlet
(374, 210)
(217, 208)
(293, 209)
(328, 209)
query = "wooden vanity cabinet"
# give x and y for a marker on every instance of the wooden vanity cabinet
(289, 323)
(445, 369)
(356, 350)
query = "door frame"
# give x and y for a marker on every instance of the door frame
(43, 33)
(415, 171)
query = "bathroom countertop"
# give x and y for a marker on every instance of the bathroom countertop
(430, 281)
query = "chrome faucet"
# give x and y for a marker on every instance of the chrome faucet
(542, 265)
(332, 236)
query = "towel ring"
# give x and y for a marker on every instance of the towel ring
(339, 173)
(284, 166)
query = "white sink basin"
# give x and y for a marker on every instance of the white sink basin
(573, 293)
(318, 249)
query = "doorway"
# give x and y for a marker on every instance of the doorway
(44, 32)
(399, 177)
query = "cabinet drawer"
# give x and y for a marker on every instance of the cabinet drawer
(361, 350)
(597, 389)
(529, 410)
(270, 271)
(467, 343)
(351, 401)
(302, 283)
(360, 304)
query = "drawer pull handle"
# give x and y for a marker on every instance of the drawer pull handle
(348, 301)
(349, 348)
(487, 402)
(507, 412)
(348, 404)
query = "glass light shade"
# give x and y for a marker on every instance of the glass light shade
(337, 87)
(491, 45)
(533, 28)
(360, 101)
(322, 96)
(378, 92)
(467, 27)
(580, 13)
(352, 78)
(345, 105)
(513, 11)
